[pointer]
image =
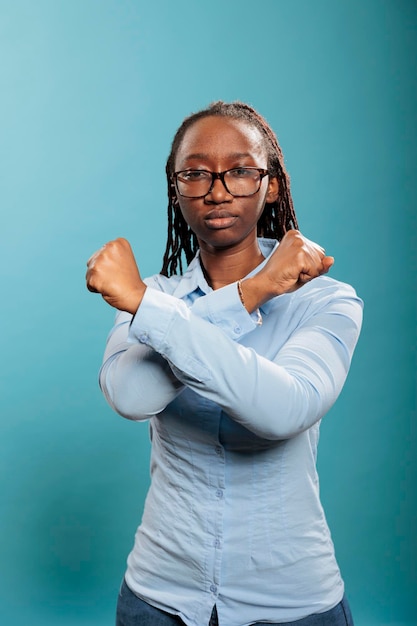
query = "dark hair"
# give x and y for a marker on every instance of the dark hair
(277, 217)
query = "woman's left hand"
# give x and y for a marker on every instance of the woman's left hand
(112, 271)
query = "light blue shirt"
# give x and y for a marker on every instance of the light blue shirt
(233, 515)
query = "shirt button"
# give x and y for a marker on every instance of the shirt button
(216, 543)
(219, 450)
(213, 588)
(237, 330)
(219, 493)
(143, 337)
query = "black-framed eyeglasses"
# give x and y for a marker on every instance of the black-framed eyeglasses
(238, 181)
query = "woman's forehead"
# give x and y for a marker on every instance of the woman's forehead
(215, 136)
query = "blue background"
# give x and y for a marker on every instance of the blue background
(92, 92)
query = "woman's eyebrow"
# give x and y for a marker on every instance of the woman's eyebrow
(233, 155)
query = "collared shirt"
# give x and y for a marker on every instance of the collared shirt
(233, 515)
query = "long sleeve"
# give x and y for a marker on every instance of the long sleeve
(136, 381)
(276, 380)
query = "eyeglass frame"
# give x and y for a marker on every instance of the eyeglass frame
(220, 175)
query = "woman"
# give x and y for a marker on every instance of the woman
(234, 363)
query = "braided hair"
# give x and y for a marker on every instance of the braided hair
(277, 218)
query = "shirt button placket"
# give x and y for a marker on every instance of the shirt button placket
(218, 520)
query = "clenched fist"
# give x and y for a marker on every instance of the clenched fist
(112, 272)
(296, 261)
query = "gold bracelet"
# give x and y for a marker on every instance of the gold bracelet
(239, 290)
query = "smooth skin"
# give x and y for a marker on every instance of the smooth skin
(225, 227)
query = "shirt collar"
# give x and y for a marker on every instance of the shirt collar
(194, 279)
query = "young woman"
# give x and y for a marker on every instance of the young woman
(234, 362)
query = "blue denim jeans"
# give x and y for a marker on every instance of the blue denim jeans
(132, 611)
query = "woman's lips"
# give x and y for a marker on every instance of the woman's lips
(218, 219)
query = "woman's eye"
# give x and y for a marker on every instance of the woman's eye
(194, 175)
(241, 172)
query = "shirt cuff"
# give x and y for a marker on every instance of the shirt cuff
(153, 318)
(223, 308)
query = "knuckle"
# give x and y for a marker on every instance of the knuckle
(92, 275)
(299, 240)
(90, 282)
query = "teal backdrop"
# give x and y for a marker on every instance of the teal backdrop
(92, 92)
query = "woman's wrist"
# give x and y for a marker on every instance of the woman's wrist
(135, 300)
(254, 292)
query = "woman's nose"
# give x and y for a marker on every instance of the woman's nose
(218, 193)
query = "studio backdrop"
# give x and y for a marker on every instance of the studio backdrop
(92, 92)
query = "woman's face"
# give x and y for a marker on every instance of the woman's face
(220, 220)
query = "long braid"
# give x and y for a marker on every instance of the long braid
(277, 218)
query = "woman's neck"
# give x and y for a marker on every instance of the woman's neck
(228, 265)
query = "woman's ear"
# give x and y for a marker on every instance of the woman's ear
(273, 189)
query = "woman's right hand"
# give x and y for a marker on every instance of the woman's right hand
(296, 261)
(112, 272)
